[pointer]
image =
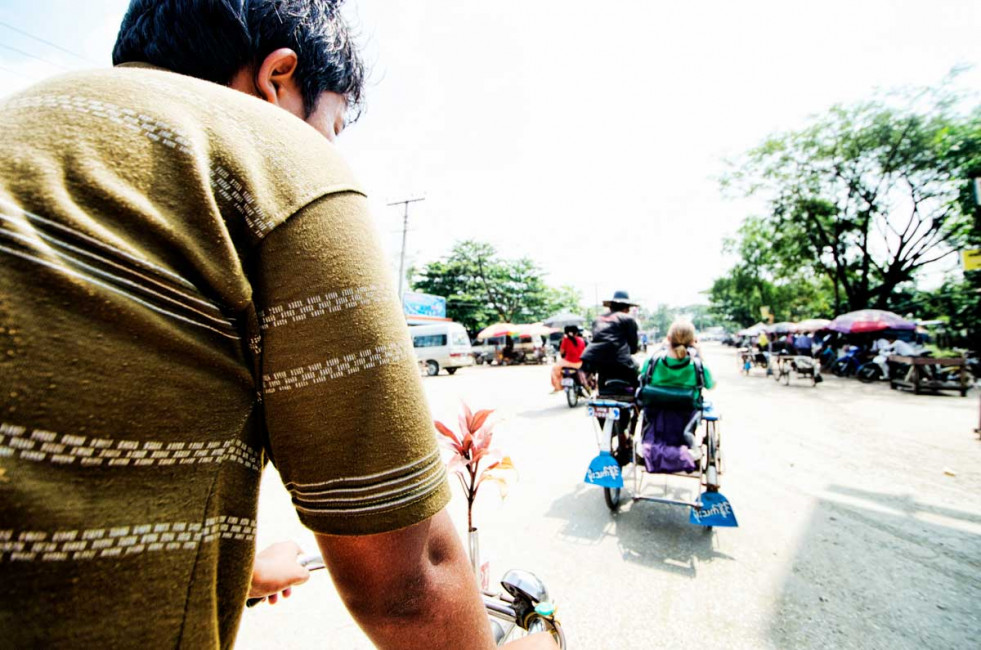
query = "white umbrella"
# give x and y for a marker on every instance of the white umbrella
(564, 319)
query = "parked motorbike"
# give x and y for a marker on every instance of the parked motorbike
(877, 368)
(848, 363)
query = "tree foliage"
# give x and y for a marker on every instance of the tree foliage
(866, 196)
(482, 288)
(658, 321)
(768, 274)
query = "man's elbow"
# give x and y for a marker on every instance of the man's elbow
(407, 597)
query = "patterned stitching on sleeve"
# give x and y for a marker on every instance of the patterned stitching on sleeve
(154, 129)
(35, 545)
(230, 189)
(241, 200)
(417, 493)
(39, 445)
(320, 305)
(335, 368)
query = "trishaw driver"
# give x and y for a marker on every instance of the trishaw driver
(189, 287)
(614, 342)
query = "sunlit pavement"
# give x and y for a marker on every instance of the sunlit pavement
(859, 512)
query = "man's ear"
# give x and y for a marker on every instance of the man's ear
(276, 83)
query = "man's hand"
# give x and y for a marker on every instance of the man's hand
(276, 570)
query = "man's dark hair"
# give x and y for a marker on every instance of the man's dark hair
(214, 39)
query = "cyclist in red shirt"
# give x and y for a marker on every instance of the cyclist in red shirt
(570, 351)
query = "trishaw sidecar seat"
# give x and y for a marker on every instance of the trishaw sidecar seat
(617, 387)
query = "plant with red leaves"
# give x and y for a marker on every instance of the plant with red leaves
(471, 450)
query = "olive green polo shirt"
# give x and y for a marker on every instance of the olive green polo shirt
(189, 286)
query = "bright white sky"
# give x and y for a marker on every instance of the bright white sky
(586, 135)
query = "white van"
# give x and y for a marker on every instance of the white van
(441, 345)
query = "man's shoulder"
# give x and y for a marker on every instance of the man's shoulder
(197, 115)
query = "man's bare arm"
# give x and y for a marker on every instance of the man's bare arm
(413, 588)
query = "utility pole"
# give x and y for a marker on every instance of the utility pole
(405, 230)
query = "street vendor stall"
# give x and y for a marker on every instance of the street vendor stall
(927, 373)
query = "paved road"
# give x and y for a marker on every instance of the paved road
(853, 532)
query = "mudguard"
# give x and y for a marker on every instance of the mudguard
(715, 511)
(604, 471)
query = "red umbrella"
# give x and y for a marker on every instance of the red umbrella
(869, 320)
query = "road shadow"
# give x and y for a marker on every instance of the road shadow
(652, 534)
(884, 571)
(552, 411)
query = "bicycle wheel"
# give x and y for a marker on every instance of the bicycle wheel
(712, 460)
(571, 396)
(612, 495)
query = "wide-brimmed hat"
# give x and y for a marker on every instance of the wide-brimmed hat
(621, 297)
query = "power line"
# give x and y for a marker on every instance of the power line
(14, 49)
(47, 42)
(19, 74)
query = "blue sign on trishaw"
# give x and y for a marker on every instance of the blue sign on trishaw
(604, 471)
(715, 511)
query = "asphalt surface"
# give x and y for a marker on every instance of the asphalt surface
(859, 513)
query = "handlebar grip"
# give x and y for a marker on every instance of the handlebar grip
(252, 602)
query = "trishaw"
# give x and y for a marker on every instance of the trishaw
(750, 358)
(803, 367)
(617, 413)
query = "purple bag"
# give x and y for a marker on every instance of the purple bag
(663, 440)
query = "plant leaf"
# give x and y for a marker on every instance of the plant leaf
(479, 418)
(482, 438)
(446, 431)
(457, 464)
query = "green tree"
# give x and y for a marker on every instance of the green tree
(481, 288)
(865, 196)
(769, 274)
(564, 298)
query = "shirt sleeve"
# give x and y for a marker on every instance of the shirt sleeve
(632, 335)
(348, 424)
(709, 380)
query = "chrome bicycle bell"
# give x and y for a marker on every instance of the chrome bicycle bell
(524, 585)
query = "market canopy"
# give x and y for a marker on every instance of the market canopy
(869, 320)
(752, 330)
(535, 329)
(512, 329)
(781, 328)
(563, 319)
(497, 329)
(813, 324)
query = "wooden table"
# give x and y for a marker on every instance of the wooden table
(918, 378)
